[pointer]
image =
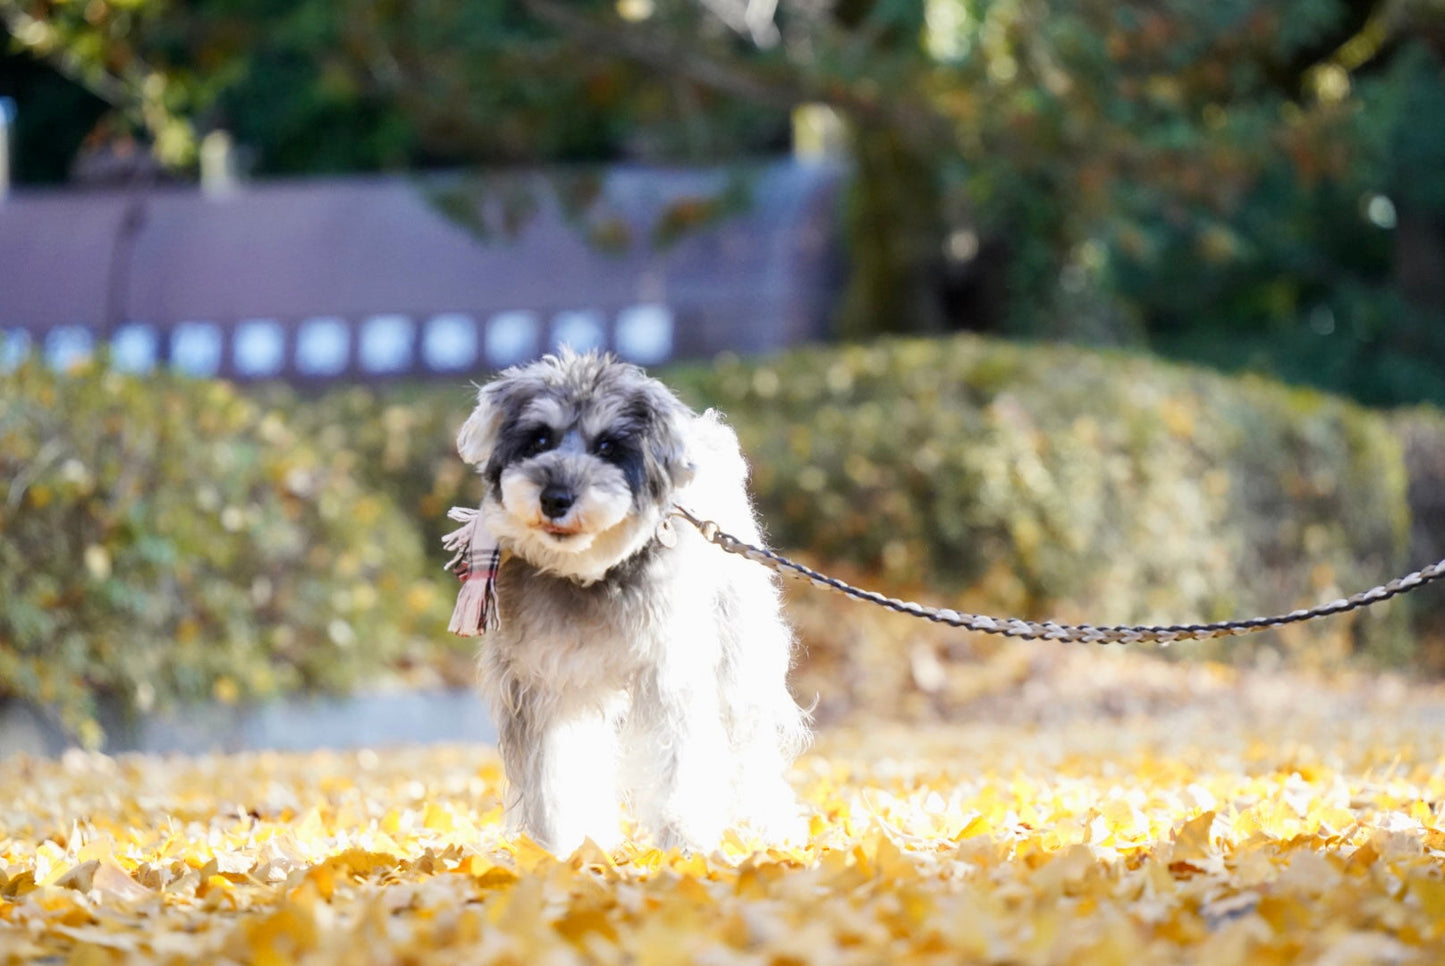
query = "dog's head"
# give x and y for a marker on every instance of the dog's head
(580, 456)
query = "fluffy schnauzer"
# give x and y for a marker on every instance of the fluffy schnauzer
(626, 659)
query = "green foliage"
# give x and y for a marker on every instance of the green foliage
(1058, 482)
(1305, 269)
(1423, 431)
(56, 116)
(323, 86)
(1244, 183)
(400, 440)
(165, 540)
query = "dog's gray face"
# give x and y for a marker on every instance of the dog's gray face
(580, 456)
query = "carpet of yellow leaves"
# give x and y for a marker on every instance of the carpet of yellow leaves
(1282, 822)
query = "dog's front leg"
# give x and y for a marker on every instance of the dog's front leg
(681, 758)
(561, 762)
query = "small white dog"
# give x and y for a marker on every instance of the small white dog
(627, 660)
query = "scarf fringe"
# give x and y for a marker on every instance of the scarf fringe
(476, 610)
(476, 558)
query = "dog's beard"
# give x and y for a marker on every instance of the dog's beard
(601, 528)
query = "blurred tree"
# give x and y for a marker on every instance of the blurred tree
(58, 114)
(1250, 182)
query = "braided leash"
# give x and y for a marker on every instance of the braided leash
(1050, 630)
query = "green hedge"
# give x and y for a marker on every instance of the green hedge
(401, 439)
(164, 539)
(1055, 481)
(1422, 429)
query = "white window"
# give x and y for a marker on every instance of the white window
(644, 334)
(134, 347)
(258, 349)
(196, 348)
(387, 343)
(323, 345)
(14, 347)
(68, 345)
(512, 338)
(449, 342)
(581, 329)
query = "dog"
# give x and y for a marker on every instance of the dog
(631, 662)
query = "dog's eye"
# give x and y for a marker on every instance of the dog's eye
(607, 447)
(539, 440)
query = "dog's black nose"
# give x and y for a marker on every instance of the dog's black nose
(556, 501)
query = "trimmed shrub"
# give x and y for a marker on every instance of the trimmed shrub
(167, 539)
(163, 539)
(1052, 481)
(1423, 431)
(400, 439)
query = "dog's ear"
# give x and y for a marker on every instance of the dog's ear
(478, 435)
(671, 438)
(677, 457)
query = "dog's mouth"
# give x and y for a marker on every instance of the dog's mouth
(559, 531)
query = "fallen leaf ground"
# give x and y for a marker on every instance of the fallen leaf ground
(1229, 819)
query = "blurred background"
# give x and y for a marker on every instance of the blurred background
(1099, 311)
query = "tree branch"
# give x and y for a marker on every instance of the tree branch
(672, 55)
(100, 82)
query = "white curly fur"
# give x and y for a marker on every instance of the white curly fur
(632, 665)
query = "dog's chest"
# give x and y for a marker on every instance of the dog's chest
(553, 627)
